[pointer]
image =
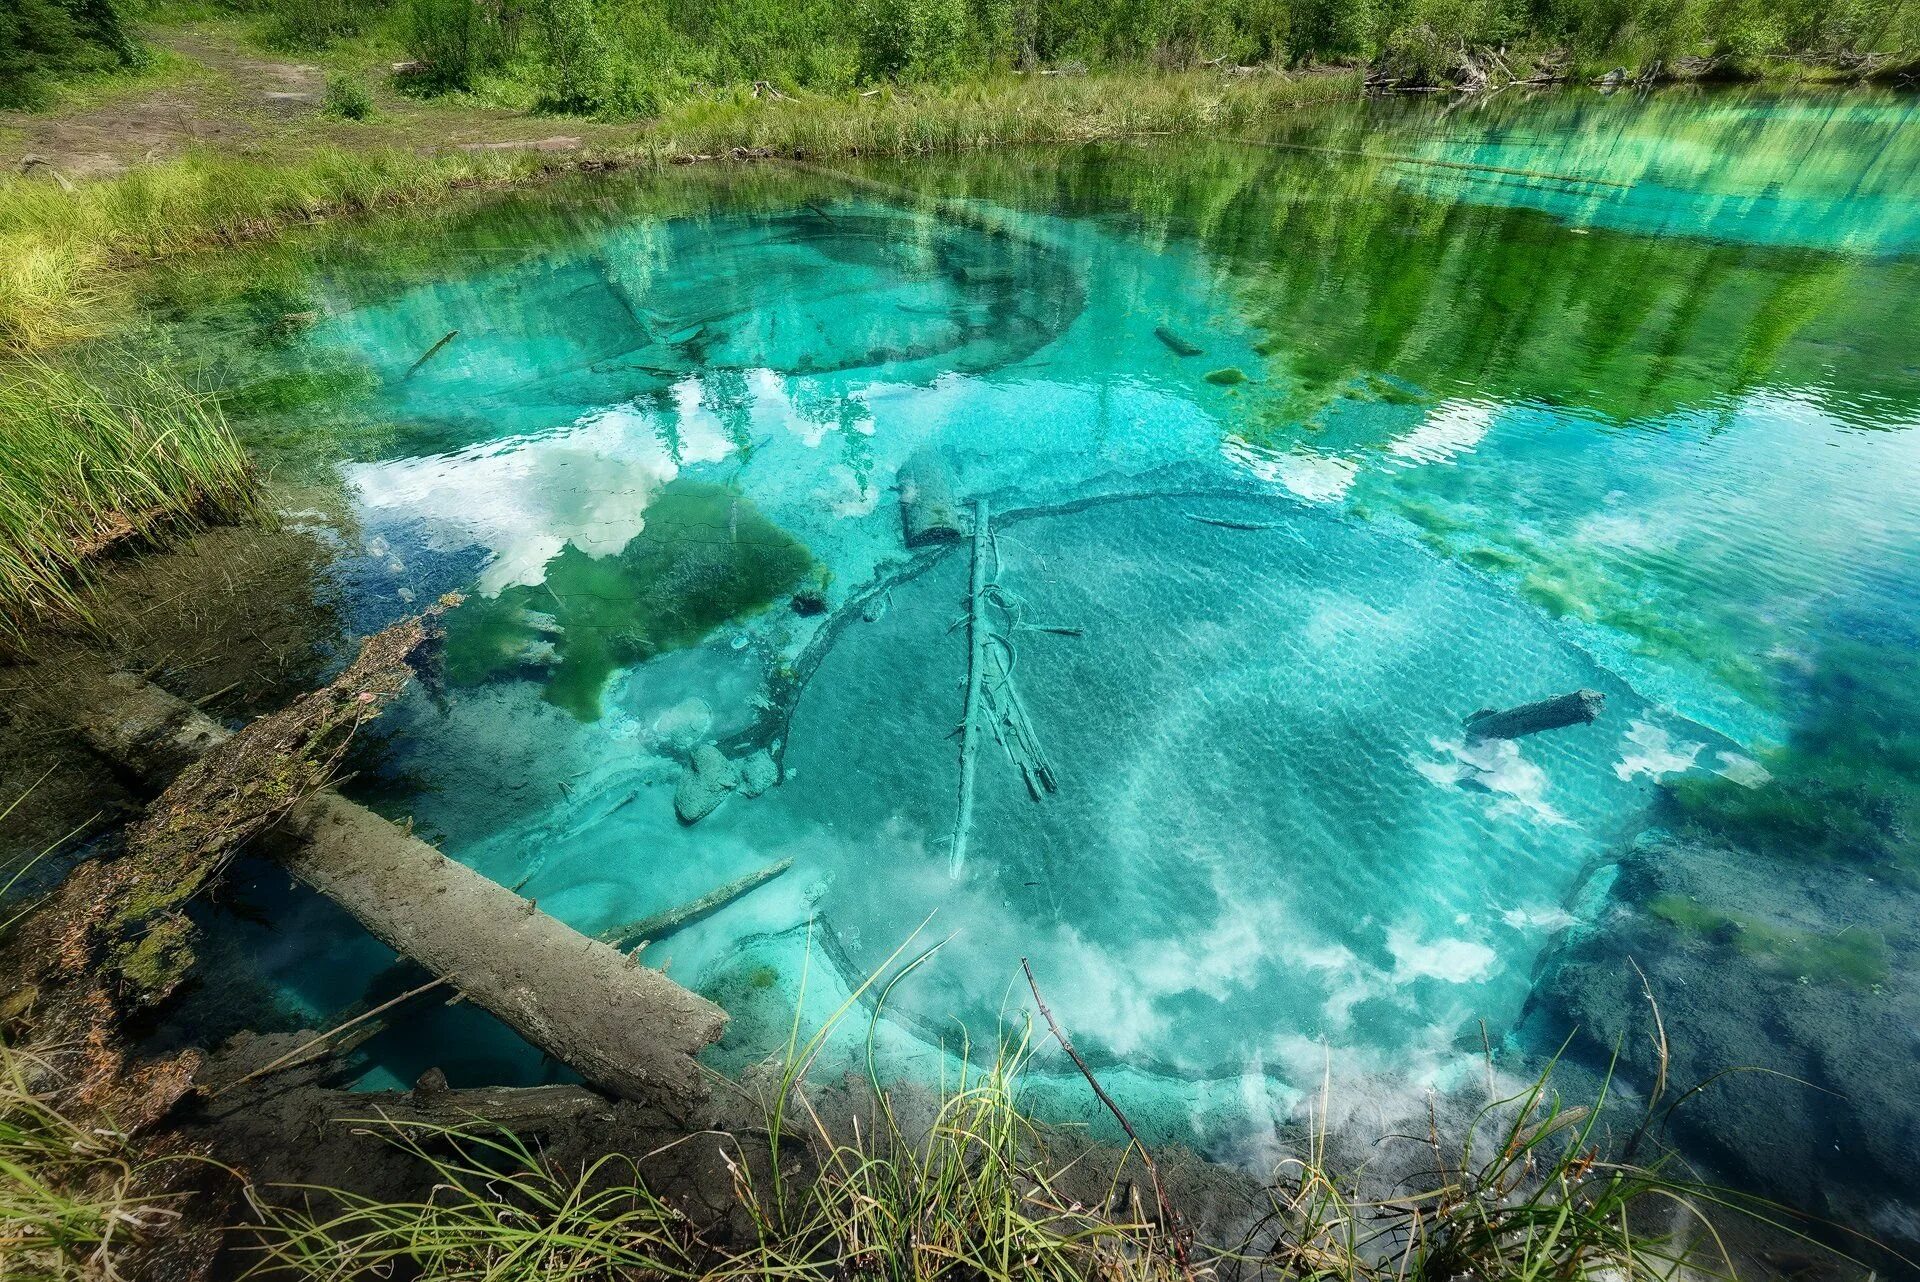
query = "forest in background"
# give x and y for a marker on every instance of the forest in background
(625, 58)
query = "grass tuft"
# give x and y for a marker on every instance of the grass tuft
(94, 462)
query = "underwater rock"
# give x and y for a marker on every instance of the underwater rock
(927, 510)
(684, 724)
(705, 783)
(1576, 709)
(1226, 377)
(1178, 345)
(1762, 975)
(758, 773)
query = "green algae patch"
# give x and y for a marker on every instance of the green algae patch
(706, 557)
(1228, 377)
(1852, 956)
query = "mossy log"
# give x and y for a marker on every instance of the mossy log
(624, 1027)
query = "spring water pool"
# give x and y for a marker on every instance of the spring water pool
(1618, 398)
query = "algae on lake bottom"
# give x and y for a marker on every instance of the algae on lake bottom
(706, 556)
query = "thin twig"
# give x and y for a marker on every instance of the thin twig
(292, 1057)
(1168, 1216)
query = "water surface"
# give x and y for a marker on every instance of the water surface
(1619, 397)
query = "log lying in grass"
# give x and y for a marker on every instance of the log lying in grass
(1576, 709)
(520, 1109)
(622, 1026)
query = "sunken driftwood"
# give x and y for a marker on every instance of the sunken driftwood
(976, 673)
(1177, 344)
(429, 354)
(660, 925)
(624, 1027)
(928, 513)
(1576, 709)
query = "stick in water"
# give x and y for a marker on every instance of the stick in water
(292, 1057)
(1167, 1215)
(429, 354)
(976, 666)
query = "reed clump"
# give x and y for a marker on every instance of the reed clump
(94, 461)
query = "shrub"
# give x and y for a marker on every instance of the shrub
(43, 40)
(452, 42)
(348, 98)
(315, 24)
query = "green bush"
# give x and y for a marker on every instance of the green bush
(315, 24)
(347, 98)
(44, 40)
(452, 42)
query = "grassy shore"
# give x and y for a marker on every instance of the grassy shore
(977, 1192)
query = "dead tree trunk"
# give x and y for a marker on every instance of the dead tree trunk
(622, 1026)
(976, 674)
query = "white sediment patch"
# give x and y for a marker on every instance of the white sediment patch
(1454, 961)
(1317, 478)
(1452, 429)
(1647, 749)
(1512, 785)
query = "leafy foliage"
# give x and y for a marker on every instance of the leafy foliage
(42, 40)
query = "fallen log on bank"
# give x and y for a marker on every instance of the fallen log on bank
(1576, 709)
(622, 1026)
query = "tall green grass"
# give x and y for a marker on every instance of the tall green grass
(92, 461)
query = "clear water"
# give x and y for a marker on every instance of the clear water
(1497, 436)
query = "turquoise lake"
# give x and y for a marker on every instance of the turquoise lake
(1296, 450)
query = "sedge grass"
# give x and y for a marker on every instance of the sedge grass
(94, 460)
(70, 1189)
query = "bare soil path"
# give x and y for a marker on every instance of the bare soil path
(230, 96)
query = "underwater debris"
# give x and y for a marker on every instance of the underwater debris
(1576, 709)
(758, 773)
(976, 669)
(430, 353)
(652, 929)
(991, 693)
(927, 510)
(1226, 523)
(1178, 345)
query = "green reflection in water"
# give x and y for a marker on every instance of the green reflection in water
(706, 557)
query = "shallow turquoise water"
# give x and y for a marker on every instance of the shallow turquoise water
(1497, 437)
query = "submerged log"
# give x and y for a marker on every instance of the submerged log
(1576, 709)
(928, 513)
(429, 354)
(621, 1026)
(660, 925)
(972, 712)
